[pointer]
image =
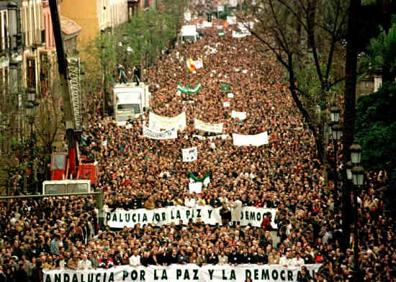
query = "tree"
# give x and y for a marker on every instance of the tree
(138, 42)
(306, 36)
(376, 132)
(47, 121)
(376, 128)
(381, 54)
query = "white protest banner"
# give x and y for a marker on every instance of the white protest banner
(233, 3)
(236, 34)
(250, 140)
(226, 104)
(238, 115)
(185, 272)
(231, 20)
(195, 187)
(230, 95)
(159, 135)
(254, 216)
(208, 127)
(173, 214)
(220, 136)
(204, 24)
(158, 122)
(190, 154)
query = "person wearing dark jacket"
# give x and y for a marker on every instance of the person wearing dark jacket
(172, 259)
(225, 214)
(20, 273)
(233, 257)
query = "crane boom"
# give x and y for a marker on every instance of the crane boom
(68, 111)
(70, 165)
(62, 64)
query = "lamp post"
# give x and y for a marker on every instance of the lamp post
(357, 173)
(356, 153)
(336, 134)
(335, 114)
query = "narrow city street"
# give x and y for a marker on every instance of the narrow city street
(196, 141)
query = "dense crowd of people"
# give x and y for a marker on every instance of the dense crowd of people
(137, 172)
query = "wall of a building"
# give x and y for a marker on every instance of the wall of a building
(32, 26)
(118, 12)
(85, 14)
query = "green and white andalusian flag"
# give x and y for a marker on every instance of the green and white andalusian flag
(194, 178)
(196, 183)
(189, 90)
(225, 87)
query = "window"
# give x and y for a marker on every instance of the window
(132, 108)
(31, 73)
(58, 162)
(44, 74)
(4, 31)
(1, 34)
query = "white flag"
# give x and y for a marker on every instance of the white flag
(195, 187)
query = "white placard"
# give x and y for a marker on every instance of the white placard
(226, 104)
(190, 154)
(250, 140)
(238, 115)
(231, 20)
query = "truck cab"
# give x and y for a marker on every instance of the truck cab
(130, 101)
(189, 33)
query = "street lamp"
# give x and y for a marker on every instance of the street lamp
(349, 167)
(335, 113)
(336, 134)
(357, 173)
(356, 153)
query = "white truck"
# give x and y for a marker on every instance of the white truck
(130, 101)
(189, 33)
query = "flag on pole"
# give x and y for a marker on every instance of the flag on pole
(191, 65)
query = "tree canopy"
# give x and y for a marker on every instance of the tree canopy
(376, 128)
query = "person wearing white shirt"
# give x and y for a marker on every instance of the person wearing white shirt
(134, 260)
(84, 263)
(297, 261)
(190, 202)
(283, 260)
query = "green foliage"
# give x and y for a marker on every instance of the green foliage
(376, 127)
(382, 51)
(146, 35)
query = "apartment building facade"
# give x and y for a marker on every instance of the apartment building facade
(95, 16)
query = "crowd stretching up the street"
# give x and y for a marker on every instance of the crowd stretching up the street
(137, 172)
